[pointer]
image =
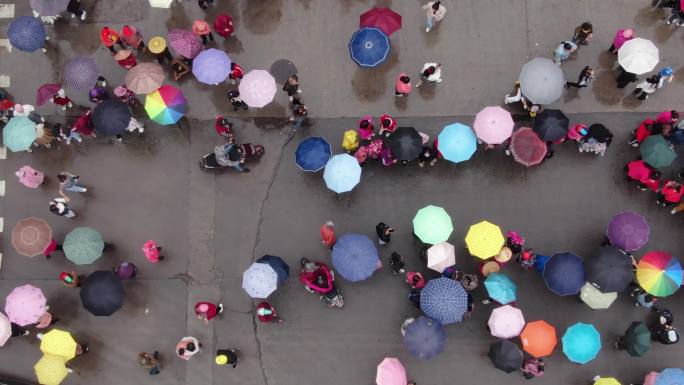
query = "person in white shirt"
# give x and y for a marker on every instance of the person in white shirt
(435, 13)
(430, 73)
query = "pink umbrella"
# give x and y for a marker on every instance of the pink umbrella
(257, 88)
(25, 304)
(441, 256)
(650, 378)
(506, 322)
(391, 372)
(186, 43)
(30, 177)
(46, 92)
(493, 125)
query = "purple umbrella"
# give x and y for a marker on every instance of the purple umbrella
(81, 73)
(628, 231)
(49, 7)
(185, 43)
(46, 92)
(211, 66)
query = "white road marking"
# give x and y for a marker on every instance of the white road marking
(6, 43)
(0, 260)
(5, 81)
(2, 223)
(2, 188)
(6, 11)
(3, 152)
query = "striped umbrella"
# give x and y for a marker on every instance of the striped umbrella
(444, 300)
(659, 273)
(166, 105)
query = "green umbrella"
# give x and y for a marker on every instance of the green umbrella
(83, 245)
(432, 225)
(638, 339)
(19, 134)
(656, 151)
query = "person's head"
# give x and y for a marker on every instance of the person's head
(415, 279)
(655, 175)
(329, 224)
(628, 33)
(203, 308)
(364, 124)
(674, 115)
(293, 79)
(62, 177)
(666, 72)
(190, 347)
(567, 46)
(649, 298)
(221, 359)
(386, 122)
(404, 79)
(672, 335)
(181, 351)
(589, 70)
(429, 71)
(435, 5)
(667, 129)
(587, 27)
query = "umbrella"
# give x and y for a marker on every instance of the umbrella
(551, 125)
(102, 293)
(506, 322)
(457, 142)
(111, 117)
(506, 355)
(211, 66)
(355, 257)
(19, 134)
(606, 381)
(493, 125)
(500, 288)
(278, 265)
(83, 245)
(595, 298)
(166, 105)
(369, 47)
(432, 225)
(81, 73)
(161, 3)
(27, 33)
(628, 231)
(405, 143)
(444, 300)
(342, 173)
(638, 56)
(609, 269)
(484, 240)
(25, 304)
(382, 18)
(539, 338)
(49, 7)
(50, 370)
(145, 78)
(260, 280)
(257, 88)
(581, 343)
(637, 339)
(31, 236)
(5, 329)
(655, 150)
(670, 376)
(440, 256)
(186, 43)
(424, 338)
(541, 81)
(391, 372)
(527, 148)
(564, 274)
(600, 133)
(659, 273)
(46, 92)
(313, 154)
(59, 343)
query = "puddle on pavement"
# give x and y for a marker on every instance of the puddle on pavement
(348, 4)
(605, 90)
(664, 32)
(263, 16)
(631, 102)
(232, 44)
(371, 83)
(179, 19)
(647, 17)
(607, 59)
(679, 75)
(88, 36)
(281, 69)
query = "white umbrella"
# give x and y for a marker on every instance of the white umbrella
(257, 88)
(541, 81)
(5, 329)
(506, 322)
(260, 280)
(638, 56)
(441, 256)
(161, 3)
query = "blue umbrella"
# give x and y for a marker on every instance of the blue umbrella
(355, 257)
(312, 154)
(49, 7)
(281, 268)
(444, 300)
(581, 343)
(211, 66)
(564, 274)
(670, 376)
(111, 117)
(500, 288)
(369, 47)
(424, 338)
(81, 73)
(342, 173)
(457, 142)
(27, 33)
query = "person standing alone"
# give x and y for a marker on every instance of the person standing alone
(435, 13)
(585, 76)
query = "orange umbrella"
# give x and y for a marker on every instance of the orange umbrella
(31, 236)
(539, 338)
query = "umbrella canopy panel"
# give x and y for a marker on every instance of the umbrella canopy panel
(541, 81)
(390, 372)
(506, 356)
(19, 134)
(637, 339)
(424, 338)
(25, 304)
(581, 343)
(369, 47)
(59, 343)
(83, 245)
(186, 43)
(432, 224)
(638, 56)
(655, 150)
(27, 33)
(493, 125)
(31, 236)
(551, 125)
(595, 298)
(313, 154)
(355, 257)
(457, 142)
(260, 280)
(405, 143)
(444, 300)
(342, 173)
(279, 266)
(527, 148)
(211, 66)
(564, 274)
(111, 117)
(145, 78)
(49, 7)
(628, 231)
(484, 240)
(51, 369)
(506, 322)
(102, 293)
(257, 88)
(382, 18)
(659, 273)
(539, 338)
(609, 269)
(441, 256)
(81, 73)
(500, 288)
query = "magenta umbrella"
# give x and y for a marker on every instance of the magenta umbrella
(257, 88)
(46, 92)
(384, 19)
(391, 372)
(185, 43)
(628, 231)
(493, 125)
(25, 304)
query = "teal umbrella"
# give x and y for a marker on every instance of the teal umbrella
(83, 245)
(581, 343)
(500, 288)
(656, 151)
(638, 339)
(19, 134)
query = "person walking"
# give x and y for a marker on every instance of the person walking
(30, 177)
(109, 38)
(533, 367)
(415, 279)
(583, 33)
(74, 7)
(188, 347)
(133, 38)
(387, 126)
(236, 73)
(585, 76)
(397, 263)
(647, 176)
(52, 246)
(328, 234)
(125, 270)
(643, 299)
(266, 313)
(431, 73)
(648, 86)
(83, 126)
(384, 233)
(70, 279)
(61, 99)
(223, 25)
(227, 357)
(236, 101)
(621, 37)
(150, 362)
(201, 29)
(435, 13)
(69, 182)
(151, 250)
(58, 206)
(563, 52)
(624, 78)
(207, 311)
(402, 86)
(300, 115)
(291, 86)
(366, 129)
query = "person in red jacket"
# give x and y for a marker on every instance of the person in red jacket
(647, 176)
(387, 126)
(236, 72)
(109, 37)
(224, 128)
(223, 25)
(328, 234)
(207, 311)
(126, 59)
(670, 194)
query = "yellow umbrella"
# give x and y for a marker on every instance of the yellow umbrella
(157, 44)
(484, 240)
(607, 381)
(59, 343)
(51, 370)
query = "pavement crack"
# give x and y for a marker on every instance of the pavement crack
(259, 351)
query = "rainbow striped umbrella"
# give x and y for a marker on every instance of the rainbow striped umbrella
(166, 105)
(659, 273)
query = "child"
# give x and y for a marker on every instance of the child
(224, 128)
(151, 250)
(366, 128)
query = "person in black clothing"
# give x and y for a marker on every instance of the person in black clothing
(204, 3)
(624, 78)
(427, 156)
(583, 33)
(236, 100)
(585, 76)
(291, 86)
(397, 263)
(76, 10)
(384, 231)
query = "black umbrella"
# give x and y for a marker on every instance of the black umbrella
(599, 132)
(102, 293)
(405, 143)
(551, 125)
(111, 117)
(609, 269)
(506, 355)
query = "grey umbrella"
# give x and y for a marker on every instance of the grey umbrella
(541, 81)
(81, 73)
(49, 7)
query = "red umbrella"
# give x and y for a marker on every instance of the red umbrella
(527, 148)
(384, 19)
(223, 25)
(46, 92)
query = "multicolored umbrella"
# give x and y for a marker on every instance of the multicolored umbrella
(659, 273)
(670, 376)
(405, 143)
(539, 338)
(145, 78)
(527, 148)
(484, 240)
(444, 300)
(457, 142)
(440, 256)
(609, 269)
(391, 372)
(432, 225)
(342, 173)
(25, 304)
(31, 236)
(5, 329)
(211, 66)
(628, 231)
(369, 47)
(46, 92)
(111, 117)
(581, 343)
(51, 370)
(313, 154)
(424, 338)
(506, 322)
(166, 105)
(27, 33)
(49, 7)
(541, 81)
(83, 245)
(186, 43)
(355, 257)
(257, 88)
(102, 293)
(19, 134)
(500, 288)
(493, 125)
(59, 343)
(260, 280)
(595, 298)
(506, 356)
(382, 18)
(279, 266)
(637, 339)
(638, 56)
(564, 274)
(655, 150)
(551, 125)
(81, 73)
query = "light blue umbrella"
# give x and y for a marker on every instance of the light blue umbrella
(670, 376)
(581, 343)
(500, 288)
(424, 338)
(211, 66)
(19, 134)
(444, 300)
(342, 173)
(457, 142)
(369, 47)
(27, 33)
(355, 257)
(260, 280)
